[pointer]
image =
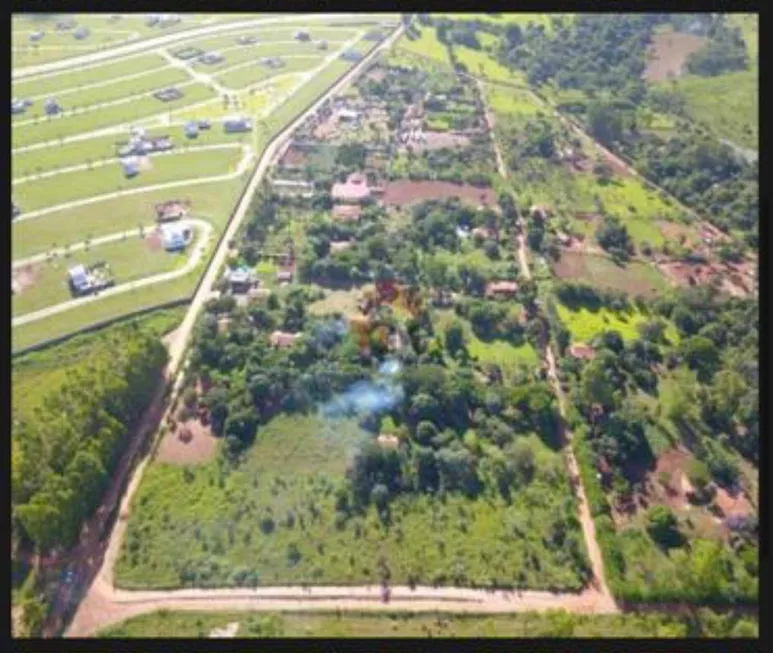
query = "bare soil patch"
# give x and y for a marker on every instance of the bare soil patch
(618, 166)
(439, 140)
(24, 277)
(403, 192)
(668, 53)
(674, 231)
(293, 157)
(199, 449)
(732, 501)
(601, 271)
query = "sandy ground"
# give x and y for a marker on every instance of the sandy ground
(201, 448)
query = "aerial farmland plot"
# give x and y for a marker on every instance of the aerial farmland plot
(105, 141)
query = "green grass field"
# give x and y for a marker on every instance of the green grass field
(129, 260)
(510, 101)
(402, 624)
(482, 64)
(210, 201)
(70, 80)
(294, 466)
(68, 125)
(586, 324)
(427, 45)
(109, 178)
(505, 18)
(249, 75)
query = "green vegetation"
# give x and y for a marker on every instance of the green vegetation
(586, 324)
(703, 623)
(426, 45)
(250, 75)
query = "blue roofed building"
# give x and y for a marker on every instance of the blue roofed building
(236, 124)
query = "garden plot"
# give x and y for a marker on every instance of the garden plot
(249, 75)
(636, 278)
(404, 192)
(282, 538)
(51, 84)
(127, 112)
(69, 186)
(668, 53)
(211, 201)
(109, 92)
(131, 259)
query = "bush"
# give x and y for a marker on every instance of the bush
(663, 526)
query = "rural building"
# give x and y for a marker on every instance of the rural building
(484, 233)
(65, 25)
(388, 441)
(272, 62)
(211, 58)
(240, 280)
(346, 212)
(175, 237)
(15, 210)
(79, 279)
(167, 20)
(130, 167)
(51, 107)
(293, 187)
(18, 106)
(81, 33)
(37, 36)
(247, 39)
(284, 276)
(354, 189)
(501, 288)
(191, 129)
(237, 124)
(351, 55)
(168, 94)
(302, 35)
(83, 280)
(322, 45)
(204, 124)
(348, 115)
(170, 211)
(340, 245)
(583, 351)
(283, 339)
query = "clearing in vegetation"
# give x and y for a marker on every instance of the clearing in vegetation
(585, 324)
(404, 192)
(670, 49)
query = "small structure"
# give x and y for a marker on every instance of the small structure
(131, 167)
(351, 55)
(15, 210)
(302, 35)
(175, 237)
(500, 289)
(322, 45)
(152, 20)
(295, 187)
(168, 94)
(65, 25)
(284, 276)
(346, 212)
(272, 62)
(484, 233)
(81, 32)
(78, 279)
(18, 106)
(388, 441)
(340, 245)
(283, 339)
(211, 58)
(83, 280)
(51, 107)
(236, 124)
(204, 124)
(247, 39)
(582, 351)
(348, 116)
(170, 211)
(37, 36)
(354, 190)
(191, 129)
(168, 20)
(240, 280)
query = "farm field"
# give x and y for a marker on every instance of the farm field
(600, 271)
(129, 260)
(277, 480)
(102, 180)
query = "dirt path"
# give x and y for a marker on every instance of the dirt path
(598, 582)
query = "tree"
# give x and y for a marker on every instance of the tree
(595, 386)
(663, 527)
(701, 355)
(520, 459)
(604, 123)
(379, 495)
(454, 337)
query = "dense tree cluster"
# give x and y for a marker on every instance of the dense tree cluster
(65, 451)
(724, 52)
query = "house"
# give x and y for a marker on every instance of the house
(322, 45)
(167, 20)
(204, 124)
(168, 94)
(283, 339)
(351, 55)
(501, 289)
(272, 62)
(130, 167)
(284, 276)
(81, 33)
(247, 39)
(170, 211)
(237, 124)
(346, 212)
(348, 115)
(581, 350)
(51, 107)
(79, 280)
(37, 36)
(302, 35)
(340, 245)
(18, 106)
(175, 237)
(240, 280)
(484, 233)
(191, 129)
(211, 58)
(388, 441)
(353, 190)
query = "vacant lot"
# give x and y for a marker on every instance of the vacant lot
(585, 324)
(250, 75)
(404, 192)
(635, 278)
(248, 524)
(669, 51)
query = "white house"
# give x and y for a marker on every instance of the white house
(175, 237)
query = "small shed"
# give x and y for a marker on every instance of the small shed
(204, 124)
(582, 350)
(79, 279)
(240, 280)
(322, 45)
(81, 32)
(501, 288)
(37, 36)
(284, 276)
(170, 211)
(351, 55)
(175, 237)
(51, 107)
(237, 124)
(302, 35)
(131, 167)
(211, 58)
(191, 129)
(18, 106)
(283, 339)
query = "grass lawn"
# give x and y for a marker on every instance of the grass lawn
(36, 373)
(336, 301)
(250, 75)
(69, 124)
(586, 324)
(129, 260)
(510, 101)
(213, 202)
(295, 465)
(74, 79)
(107, 308)
(482, 64)
(120, 89)
(102, 180)
(280, 33)
(427, 45)
(165, 623)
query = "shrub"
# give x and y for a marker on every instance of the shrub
(663, 526)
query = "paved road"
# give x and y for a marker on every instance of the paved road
(169, 39)
(205, 231)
